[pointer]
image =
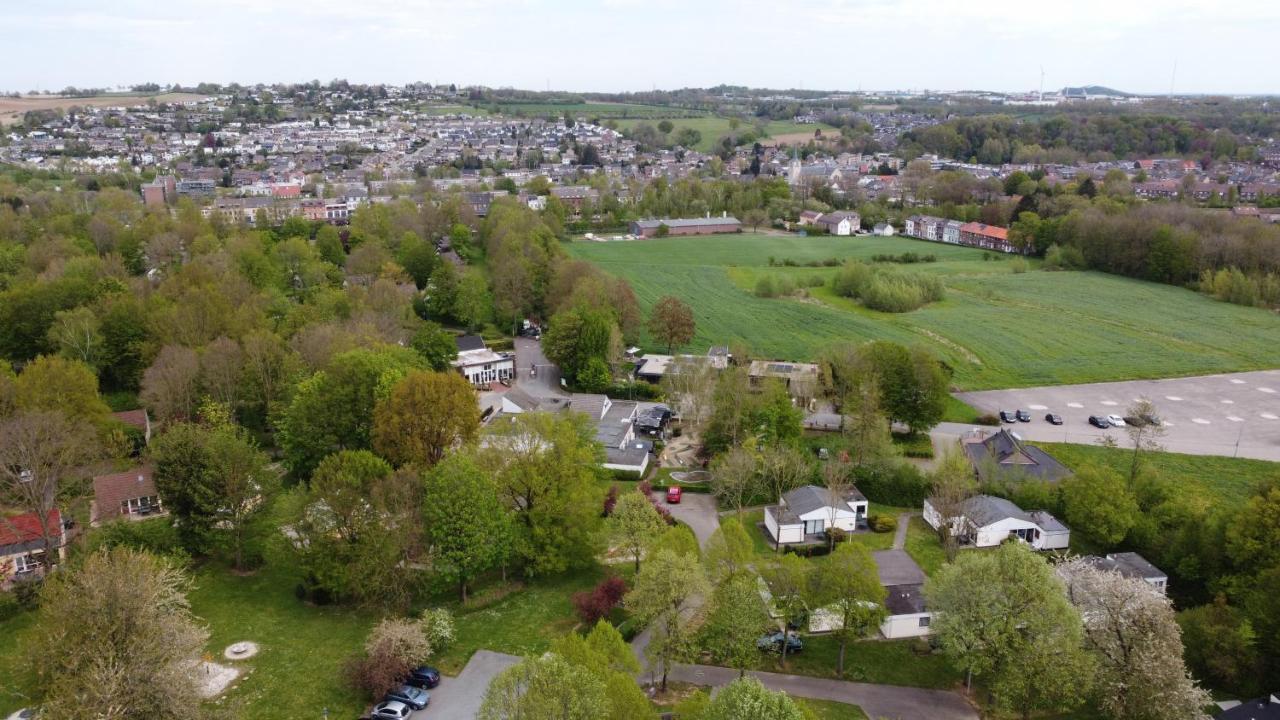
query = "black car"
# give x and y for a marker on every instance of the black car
(1151, 419)
(1008, 417)
(1023, 416)
(1053, 419)
(774, 641)
(1099, 422)
(423, 677)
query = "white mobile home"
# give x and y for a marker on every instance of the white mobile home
(806, 512)
(987, 521)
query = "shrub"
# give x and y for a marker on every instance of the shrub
(1019, 265)
(610, 499)
(375, 673)
(836, 535)
(594, 605)
(400, 638)
(635, 391)
(895, 483)
(986, 419)
(765, 287)
(1059, 257)
(886, 290)
(26, 592)
(883, 523)
(437, 624)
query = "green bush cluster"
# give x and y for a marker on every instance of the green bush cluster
(1234, 286)
(886, 290)
(894, 483)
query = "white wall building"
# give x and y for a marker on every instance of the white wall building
(480, 365)
(987, 521)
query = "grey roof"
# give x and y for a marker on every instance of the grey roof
(1128, 564)
(983, 510)
(896, 567)
(1008, 453)
(905, 599)
(805, 499)
(590, 404)
(688, 222)
(613, 426)
(1266, 707)
(632, 455)
(469, 342)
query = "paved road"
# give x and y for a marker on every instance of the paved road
(877, 701)
(459, 698)
(696, 510)
(1235, 414)
(545, 376)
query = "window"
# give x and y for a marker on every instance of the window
(30, 562)
(141, 505)
(924, 621)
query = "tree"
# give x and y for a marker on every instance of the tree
(665, 584)
(466, 526)
(57, 384)
(735, 479)
(222, 371)
(952, 484)
(243, 482)
(665, 126)
(1221, 646)
(755, 217)
(77, 334)
(170, 387)
(992, 608)
(577, 336)
(790, 579)
(425, 414)
(1144, 435)
(748, 699)
(728, 551)
(545, 688)
(1099, 504)
(689, 383)
(866, 425)
(634, 525)
(436, 345)
(39, 451)
(735, 621)
(182, 461)
(88, 655)
(671, 322)
(473, 306)
(442, 291)
(1130, 627)
(848, 584)
(606, 655)
(546, 468)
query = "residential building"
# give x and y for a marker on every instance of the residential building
(1131, 565)
(1002, 456)
(840, 223)
(686, 226)
(987, 237)
(137, 419)
(987, 521)
(22, 553)
(130, 494)
(800, 379)
(480, 365)
(161, 191)
(1266, 707)
(807, 512)
(903, 581)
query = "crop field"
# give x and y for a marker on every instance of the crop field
(12, 109)
(996, 328)
(713, 128)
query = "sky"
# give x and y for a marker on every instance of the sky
(622, 45)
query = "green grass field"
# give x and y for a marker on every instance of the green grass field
(888, 662)
(996, 328)
(715, 127)
(596, 109)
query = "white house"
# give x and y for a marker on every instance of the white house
(987, 521)
(480, 365)
(884, 229)
(903, 582)
(808, 511)
(840, 223)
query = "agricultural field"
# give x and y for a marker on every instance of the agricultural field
(713, 128)
(12, 109)
(997, 328)
(594, 109)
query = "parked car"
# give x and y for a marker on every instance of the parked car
(416, 698)
(423, 677)
(1053, 419)
(1099, 422)
(1115, 420)
(1151, 419)
(390, 710)
(674, 493)
(773, 641)
(1008, 417)
(1023, 416)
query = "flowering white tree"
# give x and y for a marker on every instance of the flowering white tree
(1130, 626)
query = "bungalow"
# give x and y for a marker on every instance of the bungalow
(903, 582)
(809, 217)
(840, 223)
(480, 365)
(987, 521)
(138, 419)
(614, 420)
(1004, 456)
(1131, 565)
(22, 545)
(883, 229)
(686, 226)
(130, 494)
(800, 379)
(808, 511)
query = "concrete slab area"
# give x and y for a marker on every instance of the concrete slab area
(1233, 415)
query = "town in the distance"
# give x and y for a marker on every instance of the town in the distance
(431, 400)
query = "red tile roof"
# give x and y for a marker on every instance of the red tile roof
(26, 528)
(111, 490)
(136, 418)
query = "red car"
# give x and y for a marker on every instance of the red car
(673, 495)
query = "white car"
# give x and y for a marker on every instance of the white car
(1115, 420)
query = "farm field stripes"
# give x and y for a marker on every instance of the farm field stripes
(995, 327)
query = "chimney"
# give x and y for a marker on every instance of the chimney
(724, 213)
(141, 479)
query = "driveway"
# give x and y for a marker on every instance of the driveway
(459, 698)
(877, 701)
(1234, 414)
(534, 372)
(697, 510)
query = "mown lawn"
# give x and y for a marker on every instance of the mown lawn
(1222, 480)
(888, 662)
(763, 546)
(831, 710)
(13, 633)
(713, 127)
(923, 546)
(992, 327)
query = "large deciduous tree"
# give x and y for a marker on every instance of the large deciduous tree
(467, 527)
(425, 414)
(546, 469)
(735, 621)
(1099, 504)
(671, 322)
(1131, 629)
(662, 589)
(117, 638)
(748, 699)
(633, 525)
(545, 688)
(578, 336)
(847, 583)
(52, 383)
(171, 386)
(952, 483)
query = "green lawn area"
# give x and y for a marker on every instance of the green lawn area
(764, 547)
(889, 662)
(1222, 480)
(992, 328)
(831, 710)
(923, 546)
(13, 632)
(714, 127)
(596, 109)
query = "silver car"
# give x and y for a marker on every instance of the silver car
(390, 710)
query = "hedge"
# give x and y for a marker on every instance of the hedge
(899, 484)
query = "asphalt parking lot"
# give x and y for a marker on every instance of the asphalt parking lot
(459, 698)
(1234, 415)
